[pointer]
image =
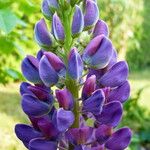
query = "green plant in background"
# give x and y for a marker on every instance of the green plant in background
(139, 45)
(15, 37)
(137, 118)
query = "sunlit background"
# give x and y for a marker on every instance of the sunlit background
(129, 23)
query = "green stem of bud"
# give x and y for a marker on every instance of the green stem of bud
(67, 22)
(72, 86)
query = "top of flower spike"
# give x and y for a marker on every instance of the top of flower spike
(48, 7)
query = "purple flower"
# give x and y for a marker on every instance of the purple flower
(78, 21)
(48, 128)
(101, 28)
(103, 133)
(65, 99)
(89, 87)
(26, 133)
(51, 68)
(120, 93)
(75, 60)
(57, 28)
(30, 69)
(63, 119)
(111, 114)
(113, 59)
(120, 139)
(94, 103)
(98, 53)
(79, 136)
(42, 144)
(24, 88)
(47, 6)
(91, 14)
(42, 35)
(41, 93)
(116, 75)
(32, 106)
(40, 54)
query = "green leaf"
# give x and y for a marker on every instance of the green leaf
(14, 74)
(8, 20)
(6, 45)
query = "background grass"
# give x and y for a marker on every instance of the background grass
(11, 113)
(141, 80)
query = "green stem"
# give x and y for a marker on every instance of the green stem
(67, 22)
(71, 84)
(74, 89)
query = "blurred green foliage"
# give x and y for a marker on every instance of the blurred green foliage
(137, 118)
(139, 46)
(17, 19)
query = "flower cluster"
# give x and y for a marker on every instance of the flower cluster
(74, 100)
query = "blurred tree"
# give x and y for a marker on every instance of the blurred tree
(138, 54)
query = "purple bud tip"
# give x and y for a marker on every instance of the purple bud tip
(76, 61)
(42, 35)
(64, 119)
(57, 28)
(101, 28)
(24, 88)
(98, 52)
(78, 21)
(55, 61)
(40, 54)
(65, 99)
(89, 87)
(46, 7)
(94, 103)
(30, 69)
(91, 14)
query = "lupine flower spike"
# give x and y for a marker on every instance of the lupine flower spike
(72, 85)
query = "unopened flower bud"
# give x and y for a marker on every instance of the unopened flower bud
(42, 35)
